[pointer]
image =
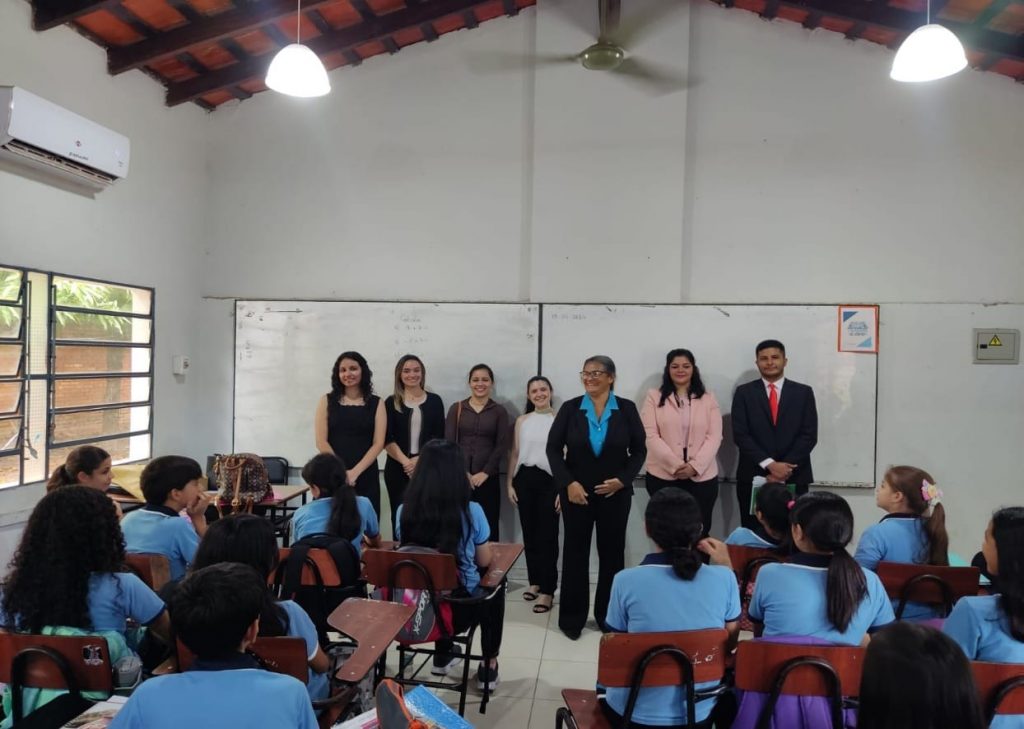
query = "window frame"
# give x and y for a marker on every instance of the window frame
(20, 375)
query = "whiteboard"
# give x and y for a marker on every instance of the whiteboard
(723, 338)
(284, 352)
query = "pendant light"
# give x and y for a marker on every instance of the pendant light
(296, 70)
(929, 53)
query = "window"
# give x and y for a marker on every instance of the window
(76, 367)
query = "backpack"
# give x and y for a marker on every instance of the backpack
(320, 600)
(243, 482)
(432, 619)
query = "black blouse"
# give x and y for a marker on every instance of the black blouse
(399, 423)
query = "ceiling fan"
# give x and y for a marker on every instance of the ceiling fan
(609, 53)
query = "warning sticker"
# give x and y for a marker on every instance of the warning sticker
(995, 341)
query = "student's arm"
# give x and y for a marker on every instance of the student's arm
(733, 630)
(143, 605)
(708, 449)
(658, 451)
(484, 555)
(371, 527)
(161, 626)
(741, 434)
(637, 446)
(617, 618)
(807, 438)
(197, 514)
(320, 427)
(963, 627)
(870, 549)
(513, 458)
(380, 424)
(733, 608)
(480, 533)
(320, 662)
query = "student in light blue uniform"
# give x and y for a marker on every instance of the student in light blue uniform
(215, 612)
(438, 514)
(170, 485)
(913, 531)
(915, 677)
(249, 539)
(670, 591)
(335, 510)
(771, 507)
(991, 627)
(821, 592)
(66, 578)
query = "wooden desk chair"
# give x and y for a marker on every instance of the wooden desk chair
(320, 587)
(637, 660)
(999, 687)
(75, 663)
(438, 575)
(746, 561)
(153, 569)
(927, 583)
(799, 670)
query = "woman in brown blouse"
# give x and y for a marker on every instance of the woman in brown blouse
(481, 427)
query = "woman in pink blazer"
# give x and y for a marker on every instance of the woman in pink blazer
(684, 430)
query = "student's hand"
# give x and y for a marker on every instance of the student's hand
(198, 509)
(716, 550)
(558, 504)
(577, 494)
(477, 478)
(410, 465)
(609, 487)
(686, 471)
(117, 510)
(779, 471)
(512, 495)
(350, 477)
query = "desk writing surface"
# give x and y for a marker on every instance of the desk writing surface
(372, 624)
(282, 493)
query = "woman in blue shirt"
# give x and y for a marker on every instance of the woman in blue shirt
(913, 531)
(249, 539)
(821, 592)
(335, 509)
(991, 627)
(438, 514)
(670, 591)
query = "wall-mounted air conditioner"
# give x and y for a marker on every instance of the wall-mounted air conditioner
(40, 135)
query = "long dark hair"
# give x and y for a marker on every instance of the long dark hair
(84, 459)
(436, 506)
(694, 390)
(72, 533)
(398, 399)
(530, 407)
(773, 502)
(1008, 533)
(908, 481)
(674, 523)
(365, 382)
(327, 472)
(246, 539)
(916, 676)
(827, 522)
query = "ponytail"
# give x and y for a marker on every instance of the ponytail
(673, 522)
(1008, 534)
(938, 539)
(913, 482)
(845, 587)
(60, 477)
(685, 562)
(327, 472)
(84, 459)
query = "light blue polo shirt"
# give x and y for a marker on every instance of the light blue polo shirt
(116, 597)
(652, 598)
(474, 533)
(980, 628)
(789, 598)
(897, 538)
(159, 530)
(301, 626)
(312, 518)
(233, 693)
(598, 428)
(743, 537)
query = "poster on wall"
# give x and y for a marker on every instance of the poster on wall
(858, 329)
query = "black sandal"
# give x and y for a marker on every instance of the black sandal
(541, 608)
(530, 596)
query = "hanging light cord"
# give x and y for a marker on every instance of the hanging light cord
(927, 6)
(298, 21)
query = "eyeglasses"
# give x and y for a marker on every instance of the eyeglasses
(592, 374)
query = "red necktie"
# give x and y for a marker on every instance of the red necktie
(773, 402)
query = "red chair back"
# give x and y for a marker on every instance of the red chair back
(621, 653)
(758, 663)
(927, 583)
(153, 569)
(283, 654)
(999, 687)
(87, 657)
(386, 568)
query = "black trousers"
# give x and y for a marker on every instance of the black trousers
(491, 617)
(368, 485)
(743, 491)
(395, 480)
(488, 495)
(705, 492)
(609, 515)
(535, 490)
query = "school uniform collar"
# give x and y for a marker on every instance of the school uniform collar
(898, 516)
(810, 560)
(656, 558)
(228, 663)
(160, 509)
(764, 537)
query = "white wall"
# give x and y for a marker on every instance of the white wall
(146, 230)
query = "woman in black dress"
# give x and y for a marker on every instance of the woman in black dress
(351, 424)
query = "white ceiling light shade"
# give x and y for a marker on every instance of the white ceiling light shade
(929, 53)
(296, 70)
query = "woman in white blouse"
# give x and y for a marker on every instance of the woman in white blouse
(684, 430)
(532, 489)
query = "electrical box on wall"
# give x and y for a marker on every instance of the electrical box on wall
(996, 346)
(180, 364)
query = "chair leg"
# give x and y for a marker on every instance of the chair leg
(564, 717)
(464, 689)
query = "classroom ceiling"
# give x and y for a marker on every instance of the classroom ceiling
(213, 51)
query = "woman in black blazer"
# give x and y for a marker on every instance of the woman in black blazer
(410, 408)
(596, 448)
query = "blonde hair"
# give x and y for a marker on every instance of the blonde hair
(399, 396)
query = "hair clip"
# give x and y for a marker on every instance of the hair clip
(931, 493)
(790, 503)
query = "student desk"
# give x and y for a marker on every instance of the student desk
(372, 625)
(505, 555)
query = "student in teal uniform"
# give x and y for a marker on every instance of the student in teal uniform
(821, 592)
(913, 531)
(249, 539)
(671, 590)
(771, 507)
(991, 627)
(335, 509)
(170, 485)
(215, 612)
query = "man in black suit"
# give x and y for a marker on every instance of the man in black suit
(775, 427)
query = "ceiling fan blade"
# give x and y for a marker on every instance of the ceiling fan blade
(499, 62)
(659, 79)
(637, 25)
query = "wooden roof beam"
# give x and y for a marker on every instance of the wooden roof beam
(48, 14)
(344, 39)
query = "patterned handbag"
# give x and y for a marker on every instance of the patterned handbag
(243, 482)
